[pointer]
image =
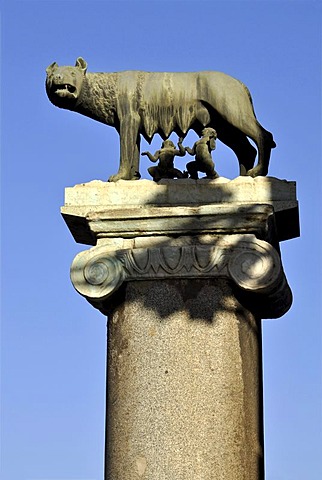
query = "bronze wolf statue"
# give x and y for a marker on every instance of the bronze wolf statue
(137, 102)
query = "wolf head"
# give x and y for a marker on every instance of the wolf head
(64, 84)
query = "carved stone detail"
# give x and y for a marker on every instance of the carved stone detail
(256, 267)
(96, 273)
(183, 261)
(252, 264)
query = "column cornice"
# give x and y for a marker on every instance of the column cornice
(129, 209)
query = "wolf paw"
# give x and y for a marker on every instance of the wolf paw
(257, 171)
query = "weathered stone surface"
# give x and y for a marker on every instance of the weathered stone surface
(184, 384)
(94, 207)
(96, 193)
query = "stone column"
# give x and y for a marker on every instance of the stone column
(185, 271)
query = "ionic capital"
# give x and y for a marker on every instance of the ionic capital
(253, 266)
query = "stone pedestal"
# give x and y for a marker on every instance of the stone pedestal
(185, 271)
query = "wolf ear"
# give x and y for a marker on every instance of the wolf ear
(51, 68)
(80, 63)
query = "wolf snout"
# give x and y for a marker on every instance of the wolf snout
(58, 78)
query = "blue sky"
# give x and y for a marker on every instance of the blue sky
(53, 342)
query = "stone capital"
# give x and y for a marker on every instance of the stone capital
(252, 265)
